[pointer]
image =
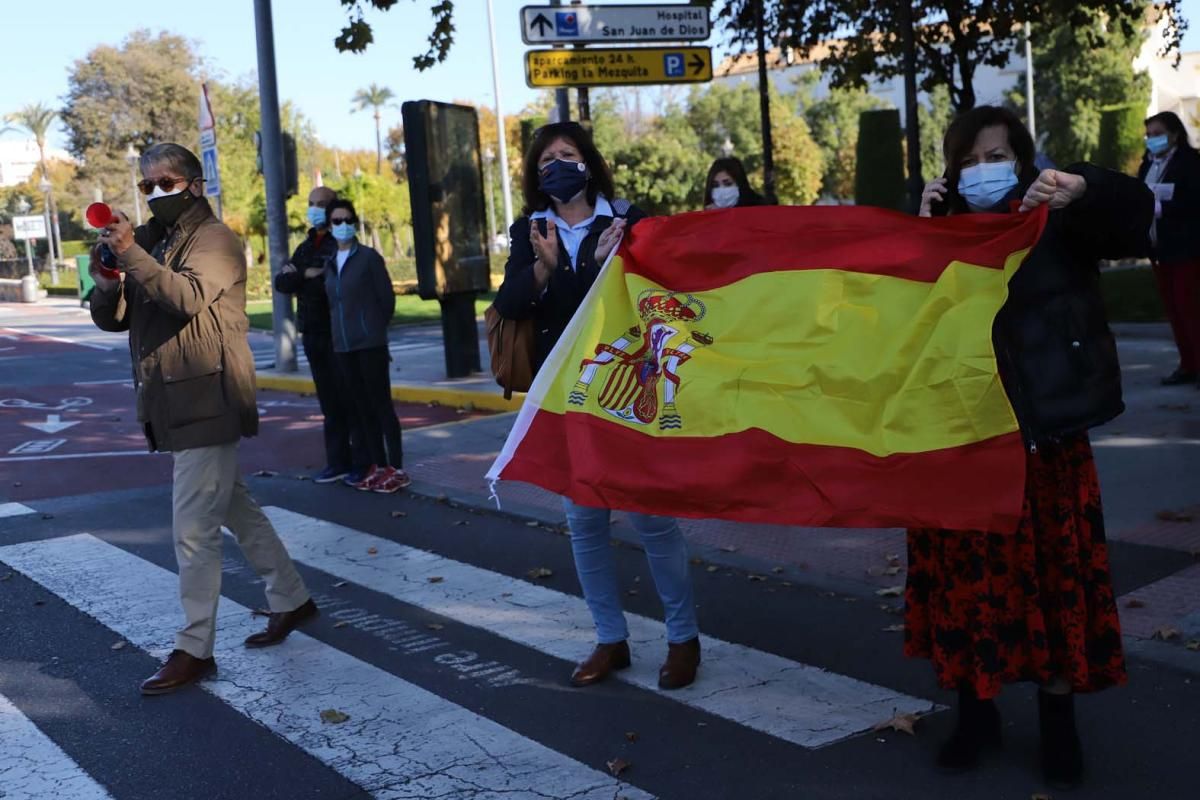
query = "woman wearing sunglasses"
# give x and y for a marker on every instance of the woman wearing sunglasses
(361, 304)
(569, 229)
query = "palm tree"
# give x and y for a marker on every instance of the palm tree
(375, 97)
(37, 119)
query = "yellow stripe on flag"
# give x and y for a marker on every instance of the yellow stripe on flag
(828, 357)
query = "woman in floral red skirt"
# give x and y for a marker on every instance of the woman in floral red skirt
(1035, 605)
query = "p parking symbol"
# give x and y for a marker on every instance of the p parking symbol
(673, 65)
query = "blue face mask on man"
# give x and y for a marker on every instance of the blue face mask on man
(983, 186)
(1157, 145)
(316, 216)
(563, 180)
(343, 231)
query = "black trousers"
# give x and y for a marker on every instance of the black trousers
(340, 452)
(369, 387)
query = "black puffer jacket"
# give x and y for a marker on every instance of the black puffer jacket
(312, 305)
(1057, 356)
(517, 297)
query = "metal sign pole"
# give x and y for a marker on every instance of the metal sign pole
(562, 100)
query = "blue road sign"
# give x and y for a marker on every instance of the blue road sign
(566, 23)
(673, 65)
(212, 177)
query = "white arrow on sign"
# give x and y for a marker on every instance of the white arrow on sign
(53, 424)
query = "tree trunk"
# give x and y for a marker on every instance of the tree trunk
(378, 146)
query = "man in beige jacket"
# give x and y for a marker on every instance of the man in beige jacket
(182, 297)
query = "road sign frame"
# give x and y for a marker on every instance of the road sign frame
(527, 14)
(691, 54)
(29, 227)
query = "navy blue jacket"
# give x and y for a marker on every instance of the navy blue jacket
(312, 306)
(361, 300)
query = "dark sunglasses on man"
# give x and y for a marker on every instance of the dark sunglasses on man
(166, 184)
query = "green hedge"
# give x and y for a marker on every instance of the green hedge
(879, 172)
(1121, 144)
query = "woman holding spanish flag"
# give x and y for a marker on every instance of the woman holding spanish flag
(570, 226)
(1036, 605)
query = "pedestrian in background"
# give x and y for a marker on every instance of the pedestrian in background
(181, 296)
(727, 186)
(1171, 168)
(1034, 605)
(571, 224)
(304, 276)
(361, 304)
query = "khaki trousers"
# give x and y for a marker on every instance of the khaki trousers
(209, 492)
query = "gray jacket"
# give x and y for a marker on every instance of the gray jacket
(361, 300)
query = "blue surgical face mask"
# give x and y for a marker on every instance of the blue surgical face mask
(316, 216)
(985, 185)
(343, 231)
(1157, 145)
(563, 180)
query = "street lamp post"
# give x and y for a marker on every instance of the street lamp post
(23, 208)
(132, 157)
(46, 189)
(489, 156)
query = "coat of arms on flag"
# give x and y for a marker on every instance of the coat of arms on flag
(814, 365)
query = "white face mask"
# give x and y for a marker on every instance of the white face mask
(725, 196)
(158, 191)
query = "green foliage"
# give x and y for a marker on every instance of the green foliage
(1078, 69)
(1120, 146)
(75, 247)
(880, 177)
(834, 123)
(140, 93)
(376, 98)
(933, 118)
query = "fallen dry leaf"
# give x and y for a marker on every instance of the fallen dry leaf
(777, 570)
(462, 522)
(632, 592)
(261, 612)
(1193, 645)
(265, 473)
(435, 579)
(899, 628)
(118, 646)
(6, 576)
(333, 716)
(785, 583)
(1168, 515)
(631, 736)
(892, 560)
(895, 570)
(1166, 633)
(617, 766)
(539, 572)
(399, 514)
(1040, 796)
(1175, 407)
(696, 561)
(727, 548)
(340, 584)
(341, 624)
(372, 551)
(1133, 602)
(711, 568)
(757, 578)
(532, 524)
(901, 723)
(434, 626)
(891, 591)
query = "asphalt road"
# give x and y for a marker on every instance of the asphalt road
(446, 639)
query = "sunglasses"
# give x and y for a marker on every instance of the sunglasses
(166, 184)
(340, 220)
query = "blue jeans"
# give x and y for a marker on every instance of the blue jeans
(597, 568)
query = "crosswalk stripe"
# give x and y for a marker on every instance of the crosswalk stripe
(33, 767)
(796, 702)
(14, 510)
(400, 741)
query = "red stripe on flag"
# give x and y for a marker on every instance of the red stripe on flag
(753, 476)
(704, 250)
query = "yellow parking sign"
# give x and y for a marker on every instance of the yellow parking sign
(617, 66)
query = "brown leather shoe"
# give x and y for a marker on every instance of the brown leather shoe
(281, 623)
(180, 670)
(679, 670)
(604, 661)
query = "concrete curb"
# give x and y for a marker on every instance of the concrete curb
(406, 393)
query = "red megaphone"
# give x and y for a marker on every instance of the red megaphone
(99, 215)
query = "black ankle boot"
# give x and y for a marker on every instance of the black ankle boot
(978, 727)
(1062, 753)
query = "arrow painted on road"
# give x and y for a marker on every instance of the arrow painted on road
(541, 24)
(53, 424)
(697, 64)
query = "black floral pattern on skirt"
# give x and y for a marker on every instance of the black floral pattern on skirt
(990, 608)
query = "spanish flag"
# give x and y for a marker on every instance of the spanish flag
(816, 366)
